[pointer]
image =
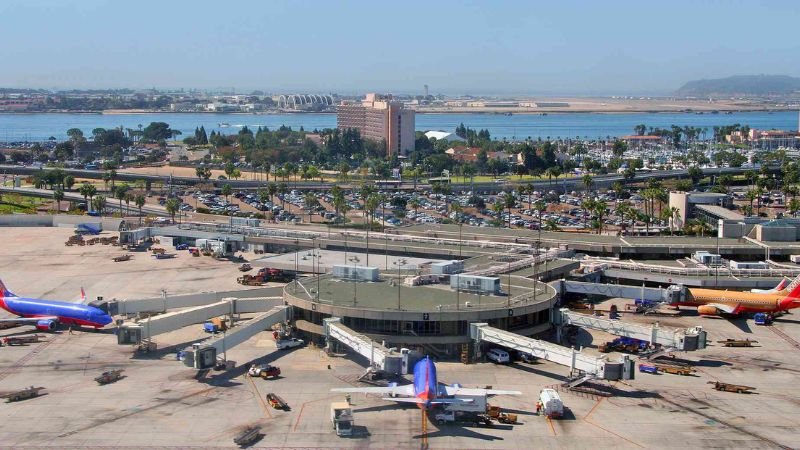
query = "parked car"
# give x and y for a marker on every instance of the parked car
(290, 343)
(498, 356)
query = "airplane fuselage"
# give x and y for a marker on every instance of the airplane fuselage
(426, 386)
(744, 302)
(67, 313)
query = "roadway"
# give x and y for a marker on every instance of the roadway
(600, 181)
(111, 203)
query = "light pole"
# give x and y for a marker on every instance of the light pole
(399, 263)
(355, 261)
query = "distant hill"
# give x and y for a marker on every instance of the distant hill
(741, 85)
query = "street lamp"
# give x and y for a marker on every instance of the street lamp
(355, 261)
(399, 263)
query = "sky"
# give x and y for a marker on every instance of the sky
(532, 47)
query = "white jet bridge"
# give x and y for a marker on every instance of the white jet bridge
(136, 332)
(380, 358)
(203, 355)
(592, 366)
(671, 294)
(684, 339)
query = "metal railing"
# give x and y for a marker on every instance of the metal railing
(690, 271)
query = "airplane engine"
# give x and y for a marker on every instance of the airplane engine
(46, 325)
(706, 310)
(455, 385)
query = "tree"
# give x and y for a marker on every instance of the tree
(272, 189)
(58, 196)
(226, 191)
(173, 205)
(99, 204)
(510, 202)
(129, 197)
(310, 202)
(587, 183)
(552, 171)
(695, 173)
(140, 201)
(498, 208)
(120, 192)
(69, 181)
(87, 191)
(794, 206)
(683, 185)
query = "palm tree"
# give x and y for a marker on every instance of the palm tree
(498, 208)
(456, 209)
(588, 205)
(119, 194)
(88, 191)
(587, 183)
(282, 190)
(551, 225)
(140, 201)
(599, 209)
(173, 205)
(415, 204)
(311, 202)
(99, 204)
(529, 189)
(129, 197)
(58, 195)
(510, 202)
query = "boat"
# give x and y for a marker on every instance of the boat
(224, 125)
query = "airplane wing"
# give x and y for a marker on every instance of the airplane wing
(405, 390)
(728, 309)
(438, 401)
(453, 391)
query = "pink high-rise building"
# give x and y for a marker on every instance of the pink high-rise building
(381, 119)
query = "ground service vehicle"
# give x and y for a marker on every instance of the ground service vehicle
(109, 376)
(289, 343)
(125, 257)
(21, 340)
(498, 356)
(727, 387)
(737, 342)
(648, 368)
(277, 402)
(762, 318)
(675, 370)
(264, 371)
(247, 436)
(463, 417)
(342, 418)
(22, 394)
(245, 267)
(215, 325)
(497, 414)
(551, 403)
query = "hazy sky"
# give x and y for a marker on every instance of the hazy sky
(525, 47)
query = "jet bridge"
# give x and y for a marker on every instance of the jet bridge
(685, 339)
(379, 357)
(203, 355)
(135, 333)
(672, 294)
(598, 367)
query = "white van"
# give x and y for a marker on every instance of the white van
(498, 356)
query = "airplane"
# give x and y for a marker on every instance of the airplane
(426, 391)
(715, 302)
(45, 315)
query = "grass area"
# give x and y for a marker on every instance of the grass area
(19, 204)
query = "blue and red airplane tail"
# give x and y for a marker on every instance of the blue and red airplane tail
(4, 292)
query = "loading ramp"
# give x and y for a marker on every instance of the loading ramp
(671, 294)
(203, 355)
(684, 339)
(135, 333)
(380, 358)
(596, 366)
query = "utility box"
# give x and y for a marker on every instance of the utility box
(447, 267)
(476, 284)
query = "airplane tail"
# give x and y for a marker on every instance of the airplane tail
(4, 291)
(793, 289)
(83, 296)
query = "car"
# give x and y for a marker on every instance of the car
(182, 247)
(290, 343)
(526, 357)
(498, 356)
(264, 371)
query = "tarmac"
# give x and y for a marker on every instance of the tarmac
(160, 403)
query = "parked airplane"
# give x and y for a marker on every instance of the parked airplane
(426, 391)
(47, 314)
(714, 302)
